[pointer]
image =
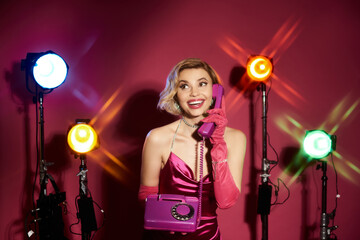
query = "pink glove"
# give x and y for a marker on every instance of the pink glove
(226, 192)
(144, 191)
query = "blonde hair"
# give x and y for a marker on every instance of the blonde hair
(168, 101)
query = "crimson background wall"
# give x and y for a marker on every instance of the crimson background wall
(120, 53)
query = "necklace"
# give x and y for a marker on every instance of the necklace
(190, 125)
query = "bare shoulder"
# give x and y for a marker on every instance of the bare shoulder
(234, 136)
(161, 136)
(155, 152)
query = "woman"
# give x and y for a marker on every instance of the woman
(171, 153)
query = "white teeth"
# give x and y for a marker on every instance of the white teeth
(195, 102)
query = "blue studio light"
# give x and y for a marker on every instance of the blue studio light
(50, 70)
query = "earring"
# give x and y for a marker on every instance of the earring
(212, 102)
(177, 106)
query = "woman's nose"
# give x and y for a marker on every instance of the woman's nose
(194, 91)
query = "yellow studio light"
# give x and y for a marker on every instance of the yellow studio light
(82, 138)
(259, 68)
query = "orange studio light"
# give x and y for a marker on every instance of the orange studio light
(259, 68)
(82, 138)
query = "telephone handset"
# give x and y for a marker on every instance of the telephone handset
(207, 129)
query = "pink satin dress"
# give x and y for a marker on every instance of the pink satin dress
(178, 178)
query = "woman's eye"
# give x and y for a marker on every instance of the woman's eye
(203, 84)
(183, 86)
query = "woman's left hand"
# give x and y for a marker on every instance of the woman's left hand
(218, 117)
(219, 150)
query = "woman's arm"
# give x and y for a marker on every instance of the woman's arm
(151, 164)
(228, 149)
(236, 144)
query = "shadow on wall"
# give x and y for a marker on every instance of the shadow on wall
(294, 163)
(56, 153)
(15, 78)
(124, 217)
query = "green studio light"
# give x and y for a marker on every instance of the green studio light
(318, 144)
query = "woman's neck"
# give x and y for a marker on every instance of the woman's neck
(194, 122)
(190, 123)
(191, 126)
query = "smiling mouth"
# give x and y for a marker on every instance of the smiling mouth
(195, 104)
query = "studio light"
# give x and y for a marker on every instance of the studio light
(82, 137)
(318, 144)
(43, 72)
(259, 68)
(46, 69)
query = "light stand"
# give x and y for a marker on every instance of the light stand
(82, 139)
(259, 69)
(325, 230)
(264, 197)
(42, 163)
(324, 221)
(85, 203)
(51, 225)
(43, 72)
